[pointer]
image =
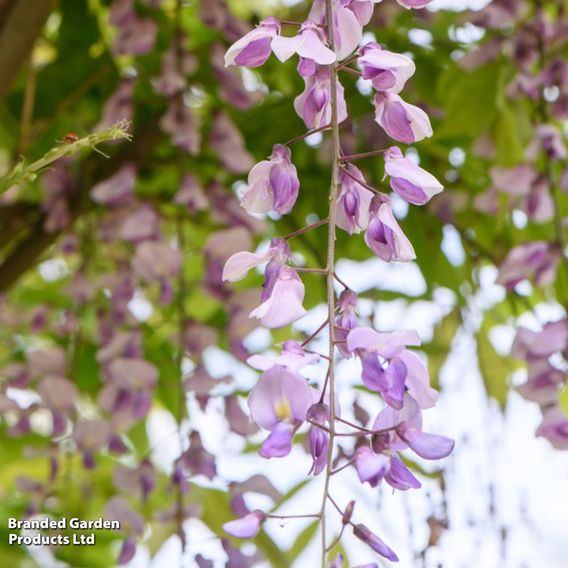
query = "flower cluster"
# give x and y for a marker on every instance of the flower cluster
(283, 401)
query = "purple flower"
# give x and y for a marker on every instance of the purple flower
(414, 3)
(239, 264)
(272, 184)
(402, 121)
(181, 124)
(388, 71)
(363, 9)
(371, 467)
(229, 144)
(313, 106)
(384, 235)
(409, 180)
(118, 106)
(279, 403)
(408, 373)
(117, 189)
(536, 261)
(191, 194)
(309, 44)
(337, 562)
(347, 30)
(554, 427)
(281, 299)
(537, 345)
(254, 48)
(364, 534)
(543, 383)
(405, 425)
(246, 527)
(353, 201)
(318, 438)
(346, 320)
(293, 357)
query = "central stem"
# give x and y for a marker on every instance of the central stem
(333, 193)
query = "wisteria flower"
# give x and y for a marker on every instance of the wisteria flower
(281, 299)
(239, 264)
(402, 121)
(388, 71)
(409, 180)
(254, 48)
(368, 537)
(308, 43)
(405, 425)
(347, 30)
(246, 527)
(353, 202)
(414, 3)
(117, 189)
(313, 106)
(272, 184)
(293, 357)
(279, 403)
(536, 261)
(554, 427)
(405, 372)
(363, 9)
(346, 320)
(318, 437)
(384, 235)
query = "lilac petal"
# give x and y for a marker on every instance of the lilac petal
(387, 345)
(127, 551)
(279, 394)
(279, 442)
(418, 380)
(255, 53)
(400, 477)
(284, 305)
(246, 527)
(238, 265)
(371, 467)
(427, 446)
(364, 534)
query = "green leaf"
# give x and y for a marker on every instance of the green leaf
(495, 369)
(304, 538)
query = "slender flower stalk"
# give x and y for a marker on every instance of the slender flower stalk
(333, 195)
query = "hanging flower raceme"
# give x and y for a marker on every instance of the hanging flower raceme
(353, 202)
(254, 48)
(387, 71)
(313, 106)
(402, 121)
(272, 184)
(384, 235)
(279, 403)
(409, 180)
